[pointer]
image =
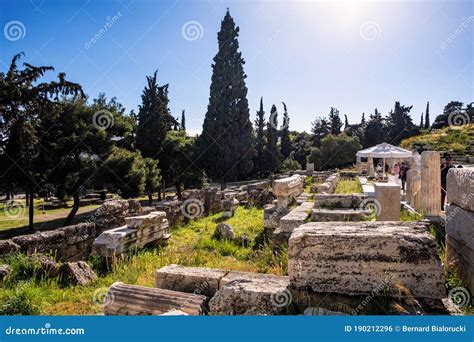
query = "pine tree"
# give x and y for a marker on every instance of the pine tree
(183, 121)
(320, 128)
(399, 124)
(259, 141)
(226, 141)
(272, 156)
(375, 130)
(427, 116)
(335, 121)
(285, 134)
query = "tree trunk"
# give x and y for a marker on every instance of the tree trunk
(150, 198)
(159, 194)
(8, 196)
(223, 185)
(27, 199)
(75, 208)
(31, 212)
(178, 188)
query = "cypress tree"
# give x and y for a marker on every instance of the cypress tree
(335, 121)
(259, 141)
(272, 156)
(226, 141)
(285, 134)
(183, 121)
(346, 122)
(399, 124)
(427, 116)
(362, 121)
(422, 125)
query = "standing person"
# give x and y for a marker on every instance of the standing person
(403, 174)
(396, 169)
(445, 167)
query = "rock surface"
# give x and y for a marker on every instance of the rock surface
(354, 258)
(388, 197)
(460, 224)
(326, 215)
(224, 231)
(338, 200)
(460, 188)
(79, 273)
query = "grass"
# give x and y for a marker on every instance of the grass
(446, 139)
(190, 245)
(348, 186)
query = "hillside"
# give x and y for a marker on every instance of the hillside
(458, 142)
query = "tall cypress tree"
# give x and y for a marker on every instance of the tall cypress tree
(335, 121)
(154, 118)
(346, 122)
(272, 155)
(226, 141)
(427, 116)
(183, 121)
(422, 125)
(259, 141)
(285, 134)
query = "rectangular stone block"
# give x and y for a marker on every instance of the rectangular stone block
(355, 258)
(137, 222)
(199, 280)
(460, 188)
(338, 200)
(460, 257)
(460, 224)
(389, 200)
(326, 215)
(295, 217)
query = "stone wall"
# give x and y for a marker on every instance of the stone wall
(460, 223)
(73, 243)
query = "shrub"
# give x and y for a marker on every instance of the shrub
(22, 300)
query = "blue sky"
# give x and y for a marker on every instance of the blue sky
(312, 55)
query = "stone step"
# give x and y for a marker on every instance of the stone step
(326, 215)
(352, 258)
(124, 299)
(338, 200)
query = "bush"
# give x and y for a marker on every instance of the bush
(22, 300)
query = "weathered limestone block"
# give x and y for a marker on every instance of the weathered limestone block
(271, 217)
(329, 184)
(460, 188)
(326, 215)
(254, 294)
(112, 214)
(295, 217)
(416, 203)
(8, 246)
(212, 200)
(338, 200)
(229, 206)
(410, 188)
(354, 258)
(79, 273)
(122, 239)
(388, 197)
(460, 256)
(173, 211)
(310, 167)
(460, 224)
(303, 197)
(123, 299)
(153, 218)
(287, 187)
(430, 183)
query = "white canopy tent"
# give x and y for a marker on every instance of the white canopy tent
(384, 151)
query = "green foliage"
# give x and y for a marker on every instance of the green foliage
(301, 145)
(399, 124)
(335, 151)
(22, 267)
(335, 122)
(23, 299)
(152, 176)
(272, 155)
(226, 142)
(320, 128)
(285, 134)
(125, 172)
(375, 130)
(348, 186)
(289, 164)
(258, 162)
